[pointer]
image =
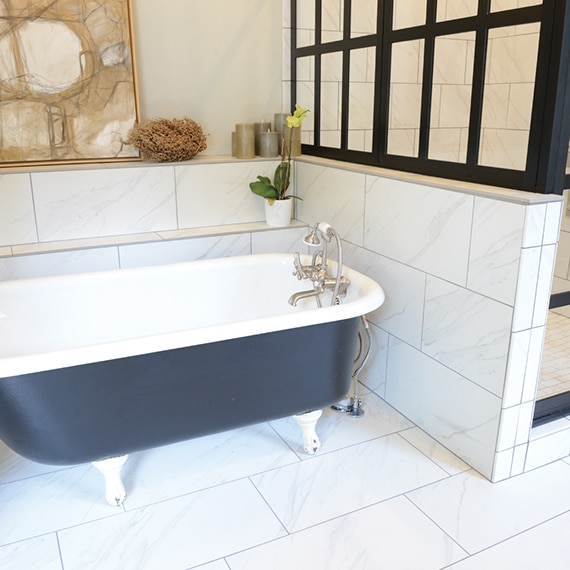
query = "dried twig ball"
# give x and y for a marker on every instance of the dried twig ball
(168, 140)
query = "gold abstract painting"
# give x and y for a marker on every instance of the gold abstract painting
(67, 81)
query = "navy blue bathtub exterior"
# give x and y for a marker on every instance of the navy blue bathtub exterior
(107, 409)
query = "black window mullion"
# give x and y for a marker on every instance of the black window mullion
(345, 94)
(383, 65)
(427, 82)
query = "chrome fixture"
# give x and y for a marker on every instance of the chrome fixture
(353, 406)
(317, 272)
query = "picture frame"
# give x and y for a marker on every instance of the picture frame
(68, 90)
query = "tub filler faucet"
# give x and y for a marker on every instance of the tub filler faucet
(317, 272)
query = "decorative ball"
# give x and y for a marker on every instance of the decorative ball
(168, 140)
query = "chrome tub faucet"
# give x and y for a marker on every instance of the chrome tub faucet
(317, 272)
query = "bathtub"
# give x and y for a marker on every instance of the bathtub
(99, 365)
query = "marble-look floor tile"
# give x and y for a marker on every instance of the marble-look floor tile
(40, 553)
(435, 451)
(337, 430)
(14, 467)
(217, 565)
(478, 514)
(64, 498)
(392, 535)
(172, 470)
(176, 534)
(339, 482)
(544, 546)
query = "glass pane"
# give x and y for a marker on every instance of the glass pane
(409, 13)
(500, 5)
(361, 99)
(455, 9)
(363, 17)
(405, 98)
(305, 96)
(508, 96)
(332, 20)
(451, 97)
(305, 23)
(331, 89)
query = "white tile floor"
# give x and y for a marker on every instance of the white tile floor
(380, 494)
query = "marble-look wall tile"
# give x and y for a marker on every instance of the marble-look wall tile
(61, 263)
(504, 148)
(552, 223)
(279, 241)
(158, 253)
(401, 314)
(526, 288)
(496, 239)
(408, 14)
(544, 283)
(454, 9)
(508, 428)
(17, 220)
(468, 332)
(524, 425)
(210, 196)
(407, 62)
(534, 357)
(456, 412)
(502, 465)
(334, 196)
(534, 225)
(450, 63)
(436, 224)
(516, 368)
(364, 17)
(93, 203)
(519, 458)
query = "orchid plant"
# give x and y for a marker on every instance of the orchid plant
(282, 177)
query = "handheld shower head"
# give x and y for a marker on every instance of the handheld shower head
(312, 239)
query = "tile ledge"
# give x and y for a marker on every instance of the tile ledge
(130, 239)
(492, 192)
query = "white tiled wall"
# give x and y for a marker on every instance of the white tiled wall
(57, 222)
(467, 279)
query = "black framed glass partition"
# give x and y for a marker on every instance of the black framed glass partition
(422, 86)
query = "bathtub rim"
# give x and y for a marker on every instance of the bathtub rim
(372, 297)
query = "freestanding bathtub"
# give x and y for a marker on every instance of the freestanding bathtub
(95, 366)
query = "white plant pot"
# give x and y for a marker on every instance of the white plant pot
(278, 213)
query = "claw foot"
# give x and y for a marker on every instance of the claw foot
(111, 470)
(308, 422)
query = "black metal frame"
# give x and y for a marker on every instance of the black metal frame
(550, 122)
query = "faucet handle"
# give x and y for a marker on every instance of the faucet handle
(299, 269)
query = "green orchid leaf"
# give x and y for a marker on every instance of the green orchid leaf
(265, 180)
(264, 189)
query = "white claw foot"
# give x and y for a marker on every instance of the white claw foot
(111, 471)
(308, 422)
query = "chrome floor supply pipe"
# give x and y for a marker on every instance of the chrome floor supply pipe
(353, 407)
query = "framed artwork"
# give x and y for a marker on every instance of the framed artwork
(67, 81)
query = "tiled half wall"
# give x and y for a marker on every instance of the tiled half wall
(467, 271)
